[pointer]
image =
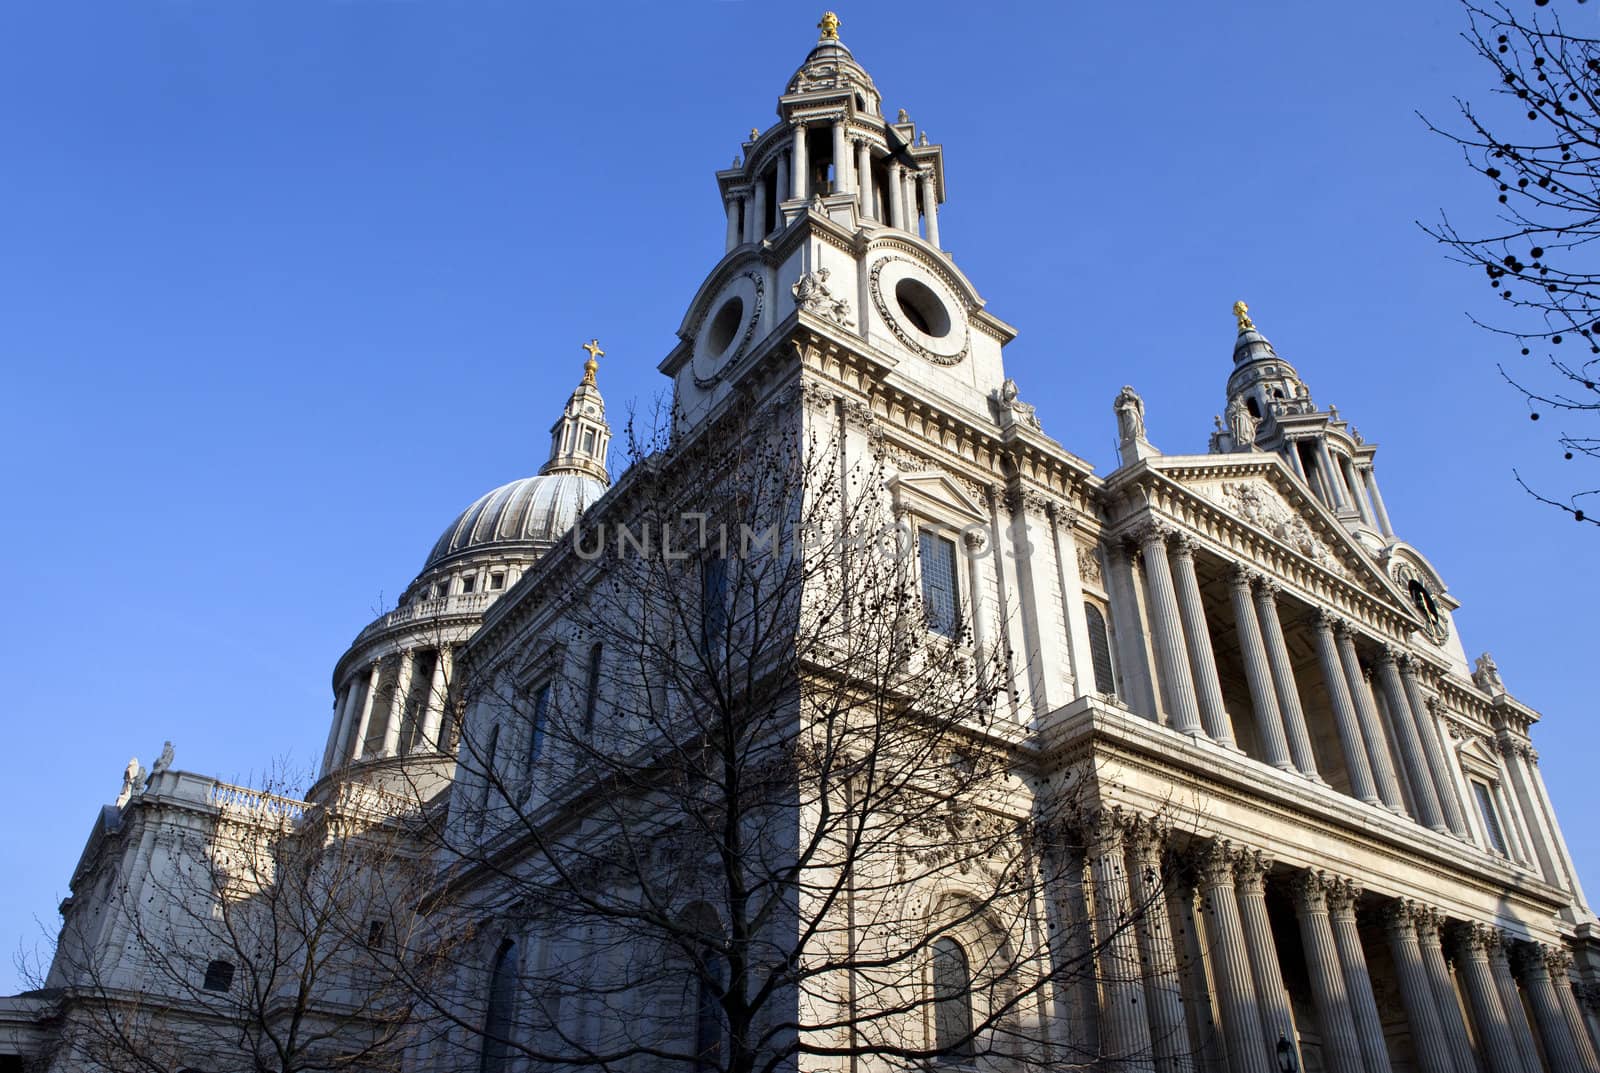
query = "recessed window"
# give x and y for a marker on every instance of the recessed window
(591, 694)
(497, 580)
(713, 602)
(541, 715)
(469, 583)
(1100, 650)
(725, 325)
(588, 442)
(952, 1000)
(922, 308)
(1491, 818)
(441, 589)
(375, 930)
(219, 976)
(941, 588)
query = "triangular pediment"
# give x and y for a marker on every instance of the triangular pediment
(1263, 494)
(935, 494)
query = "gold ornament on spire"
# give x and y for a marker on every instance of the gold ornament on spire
(592, 366)
(754, 134)
(1242, 311)
(829, 26)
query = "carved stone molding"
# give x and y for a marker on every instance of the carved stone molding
(1089, 566)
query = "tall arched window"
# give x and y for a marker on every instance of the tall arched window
(952, 999)
(591, 690)
(501, 1006)
(1099, 650)
(710, 982)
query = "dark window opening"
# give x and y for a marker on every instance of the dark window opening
(497, 580)
(468, 583)
(219, 976)
(375, 929)
(541, 712)
(591, 692)
(952, 1000)
(496, 1054)
(1253, 406)
(1100, 650)
(713, 602)
(941, 588)
(1491, 818)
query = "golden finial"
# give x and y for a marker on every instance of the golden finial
(592, 366)
(829, 26)
(1242, 311)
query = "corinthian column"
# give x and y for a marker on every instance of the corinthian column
(397, 705)
(1433, 748)
(1124, 1032)
(1411, 755)
(1473, 942)
(800, 175)
(1422, 1009)
(359, 749)
(1294, 720)
(1560, 1049)
(864, 177)
(1444, 990)
(1342, 895)
(930, 205)
(1169, 1033)
(1371, 726)
(1569, 1006)
(1341, 1051)
(1202, 661)
(438, 690)
(1236, 993)
(1511, 1002)
(892, 197)
(1164, 624)
(1250, 873)
(1344, 710)
(1269, 724)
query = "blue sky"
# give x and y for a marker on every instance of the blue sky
(285, 285)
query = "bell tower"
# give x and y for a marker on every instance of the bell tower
(832, 222)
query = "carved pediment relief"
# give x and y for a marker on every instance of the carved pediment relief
(937, 495)
(1257, 503)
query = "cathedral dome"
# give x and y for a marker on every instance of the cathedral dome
(531, 512)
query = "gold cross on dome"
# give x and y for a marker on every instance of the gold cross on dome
(592, 366)
(1242, 311)
(829, 26)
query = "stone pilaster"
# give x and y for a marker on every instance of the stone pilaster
(1342, 895)
(1250, 875)
(1344, 710)
(930, 205)
(1383, 776)
(1473, 942)
(1294, 719)
(864, 177)
(1341, 1050)
(1169, 1033)
(1416, 991)
(1253, 653)
(1167, 632)
(1429, 922)
(1124, 1029)
(1236, 993)
(1197, 632)
(1418, 773)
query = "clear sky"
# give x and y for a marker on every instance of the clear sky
(285, 284)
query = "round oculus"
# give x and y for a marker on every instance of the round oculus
(920, 309)
(727, 327)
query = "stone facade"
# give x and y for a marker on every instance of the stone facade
(1363, 871)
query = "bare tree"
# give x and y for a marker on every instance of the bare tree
(1539, 150)
(256, 932)
(741, 787)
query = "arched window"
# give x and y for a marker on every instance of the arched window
(952, 1000)
(1100, 650)
(488, 771)
(501, 1005)
(710, 982)
(591, 690)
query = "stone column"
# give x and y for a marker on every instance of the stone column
(731, 203)
(1560, 1049)
(1344, 710)
(801, 174)
(1377, 501)
(1588, 996)
(1354, 485)
(1342, 895)
(1405, 728)
(930, 205)
(1388, 786)
(1325, 458)
(1341, 1050)
(1473, 942)
(756, 226)
(1511, 1002)
(780, 189)
(1167, 632)
(1169, 1033)
(1250, 874)
(1433, 748)
(1422, 1009)
(1202, 661)
(359, 749)
(1294, 719)
(334, 755)
(397, 705)
(438, 690)
(864, 177)
(1236, 992)
(1075, 935)
(1269, 724)
(1444, 990)
(1124, 1032)
(1569, 1006)
(842, 183)
(1292, 449)
(893, 199)
(1192, 947)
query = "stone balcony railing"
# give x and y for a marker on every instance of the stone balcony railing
(419, 610)
(229, 798)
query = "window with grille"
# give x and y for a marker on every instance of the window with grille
(713, 602)
(1100, 650)
(952, 999)
(941, 588)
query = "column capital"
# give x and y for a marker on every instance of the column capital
(1330, 621)
(1250, 868)
(1266, 587)
(1477, 937)
(1311, 891)
(1388, 653)
(1153, 532)
(924, 175)
(1103, 830)
(1435, 704)
(1342, 894)
(1557, 959)
(1428, 922)
(1216, 863)
(1243, 576)
(974, 539)
(1182, 545)
(797, 124)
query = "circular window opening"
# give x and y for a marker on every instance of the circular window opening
(922, 308)
(724, 325)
